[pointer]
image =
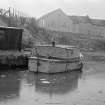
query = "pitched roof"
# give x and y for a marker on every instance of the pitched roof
(77, 19)
(58, 11)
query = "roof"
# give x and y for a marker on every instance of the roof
(58, 11)
(87, 19)
(80, 19)
(77, 19)
(3, 27)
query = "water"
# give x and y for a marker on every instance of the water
(73, 88)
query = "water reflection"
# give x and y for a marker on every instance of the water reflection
(9, 84)
(60, 83)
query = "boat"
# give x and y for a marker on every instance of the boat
(54, 84)
(55, 59)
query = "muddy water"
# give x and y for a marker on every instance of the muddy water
(72, 88)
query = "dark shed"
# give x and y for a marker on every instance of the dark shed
(10, 38)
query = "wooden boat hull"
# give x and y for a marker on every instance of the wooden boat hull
(53, 65)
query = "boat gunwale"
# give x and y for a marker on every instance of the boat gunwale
(59, 46)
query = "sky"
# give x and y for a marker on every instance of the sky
(37, 8)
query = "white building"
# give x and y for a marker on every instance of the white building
(59, 21)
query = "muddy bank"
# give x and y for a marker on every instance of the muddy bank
(13, 59)
(94, 56)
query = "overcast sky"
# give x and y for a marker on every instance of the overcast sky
(37, 8)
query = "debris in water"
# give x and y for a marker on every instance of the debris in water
(3, 76)
(45, 82)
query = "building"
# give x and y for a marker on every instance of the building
(10, 38)
(58, 21)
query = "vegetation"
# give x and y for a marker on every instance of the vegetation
(33, 34)
(84, 42)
